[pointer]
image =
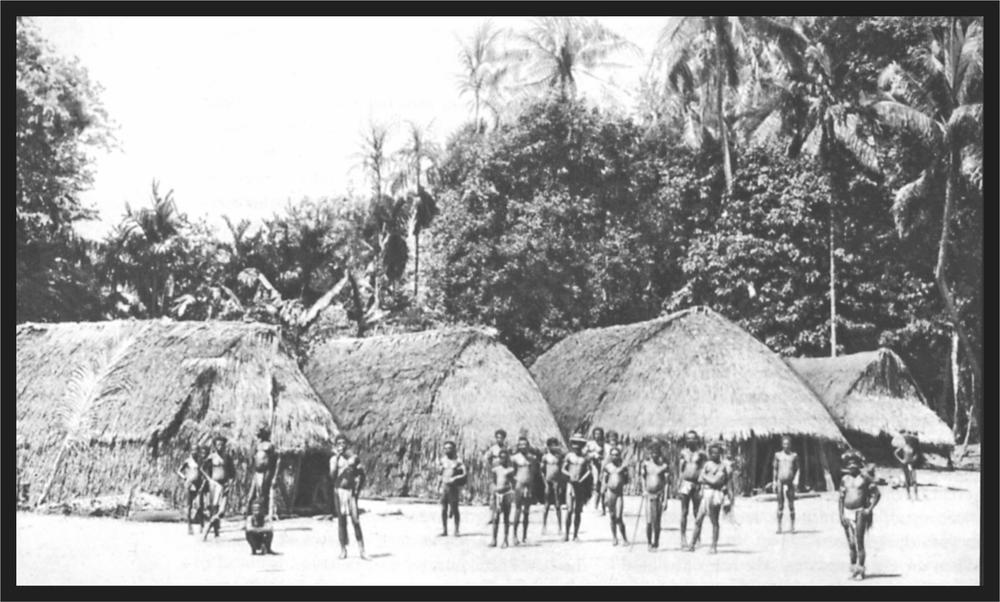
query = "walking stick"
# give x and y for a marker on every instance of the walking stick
(638, 519)
(218, 514)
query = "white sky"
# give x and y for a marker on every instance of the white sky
(239, 115)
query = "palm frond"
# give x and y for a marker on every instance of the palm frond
(965, 125)
(92, 383)
(900, 116)
(909, 200)
(846, 132)
(972, 165)
(901, 84)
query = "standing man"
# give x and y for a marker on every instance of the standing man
(221, 472)
(555, 481)
(615, 476)
(490, 459)
(595, 455)
(691, 461)
(453, 477)
(525, 462)
(858, 497)
(907, 451)
(717, 481)
(265, 463)
(194, 485)
(348, 477)
(786, 470)
(654, 472)
(503, 490)
(577, 469)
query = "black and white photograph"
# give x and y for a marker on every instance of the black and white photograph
(501, 300)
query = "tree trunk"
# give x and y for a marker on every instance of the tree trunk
(940, 272)
(720, 111)
(955, 384)
(416, 264)
(833, 288)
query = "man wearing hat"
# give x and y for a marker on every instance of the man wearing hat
(576, 467)
(858, 497)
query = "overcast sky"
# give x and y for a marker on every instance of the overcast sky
(240, 115)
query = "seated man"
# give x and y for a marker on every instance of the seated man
(259, 532)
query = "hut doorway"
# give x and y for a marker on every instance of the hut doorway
(312, 493)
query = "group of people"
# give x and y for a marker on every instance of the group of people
(525, 475)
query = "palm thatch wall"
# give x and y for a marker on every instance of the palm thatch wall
(871, 396)
(694, 369)
(400, 397)
(125, 399)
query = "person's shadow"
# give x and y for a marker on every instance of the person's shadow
(882, 576)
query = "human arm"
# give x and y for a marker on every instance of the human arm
(775, 466)
(874, 496)
(898, 454)
(840, 504)
(362, 477)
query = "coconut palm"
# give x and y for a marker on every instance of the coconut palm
(557, 50)
(483, 70)
(91, 385)
(940, 99)
(418, 157)
(704, 54)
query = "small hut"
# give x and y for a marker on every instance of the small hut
(400, 397)
(691, 370)
(108, 407)
(872, 396)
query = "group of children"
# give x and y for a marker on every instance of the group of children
(525, 475)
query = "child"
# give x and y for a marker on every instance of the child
(259, 532)
(615, 477)
(858, 497)
(654, 473)
(503, 490)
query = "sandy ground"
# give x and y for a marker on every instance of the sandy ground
(931, 541)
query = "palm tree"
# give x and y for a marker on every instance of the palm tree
(705, 53)
(557, 50)
(483, 69)
(940, 98)
(810, 106)
(375, 161)
(418, 152)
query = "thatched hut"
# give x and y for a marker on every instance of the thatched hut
(400, 397)
(693, 369)
(126, 398)
(872, 396)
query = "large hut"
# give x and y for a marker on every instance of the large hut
(400, 397)
(108, 407)
(872, 396)
(691, 370)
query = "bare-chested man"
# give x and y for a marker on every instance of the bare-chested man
(692, 459)
(577, 468)
(265, 463)
(858, 498)
(615, 476)
(259, 532)
(716, 483)
(348, 477)
(453, 477)
(555, 481)
(194, 486)
(490, 459)
(786, 471)
(221, 472)
(907, 452)
(526, 464)
(595, 452)
(503, 492)
(655, 473)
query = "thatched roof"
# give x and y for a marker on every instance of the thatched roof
(873, 393)
(161, 379)
(690, 370)
(409, 392)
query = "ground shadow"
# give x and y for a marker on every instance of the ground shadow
(802, 532)
(737, 551)
(882, 576)
(293, 529)
(379, 555)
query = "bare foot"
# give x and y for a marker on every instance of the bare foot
(343, 554)
(492, 544)
(615, 543)
(445, 534)
(713, 550)
(504, 544)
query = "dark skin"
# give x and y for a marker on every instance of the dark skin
(452, 470)
(716, 477)
(655, 473)
(786, 469)
(526, 466)
(855, 504)
(689, 468)
(577, 469)
(551, 466)
(615, 477)
(907, 456)
(190, 471)
(265, 464)
(503, 490)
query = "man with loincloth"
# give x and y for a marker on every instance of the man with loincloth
(655, 473)
(265, 464)
(576, 467)
(502, 493)
(453, 477)
(194, 486)
(692, 459)
(858, 497)
(907, 451)
(555, 481)
(615, 476)
(259, 532)
(490, 460)
(526, 465)
(595, 453)
(786, 470)
(221, 472)
(348, 477)
(716, 484)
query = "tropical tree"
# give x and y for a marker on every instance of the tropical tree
(939, 97)
(705, 53)
(556, 51)
(483, 70)
(419, 157)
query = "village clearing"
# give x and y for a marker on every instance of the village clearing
(933, 541)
